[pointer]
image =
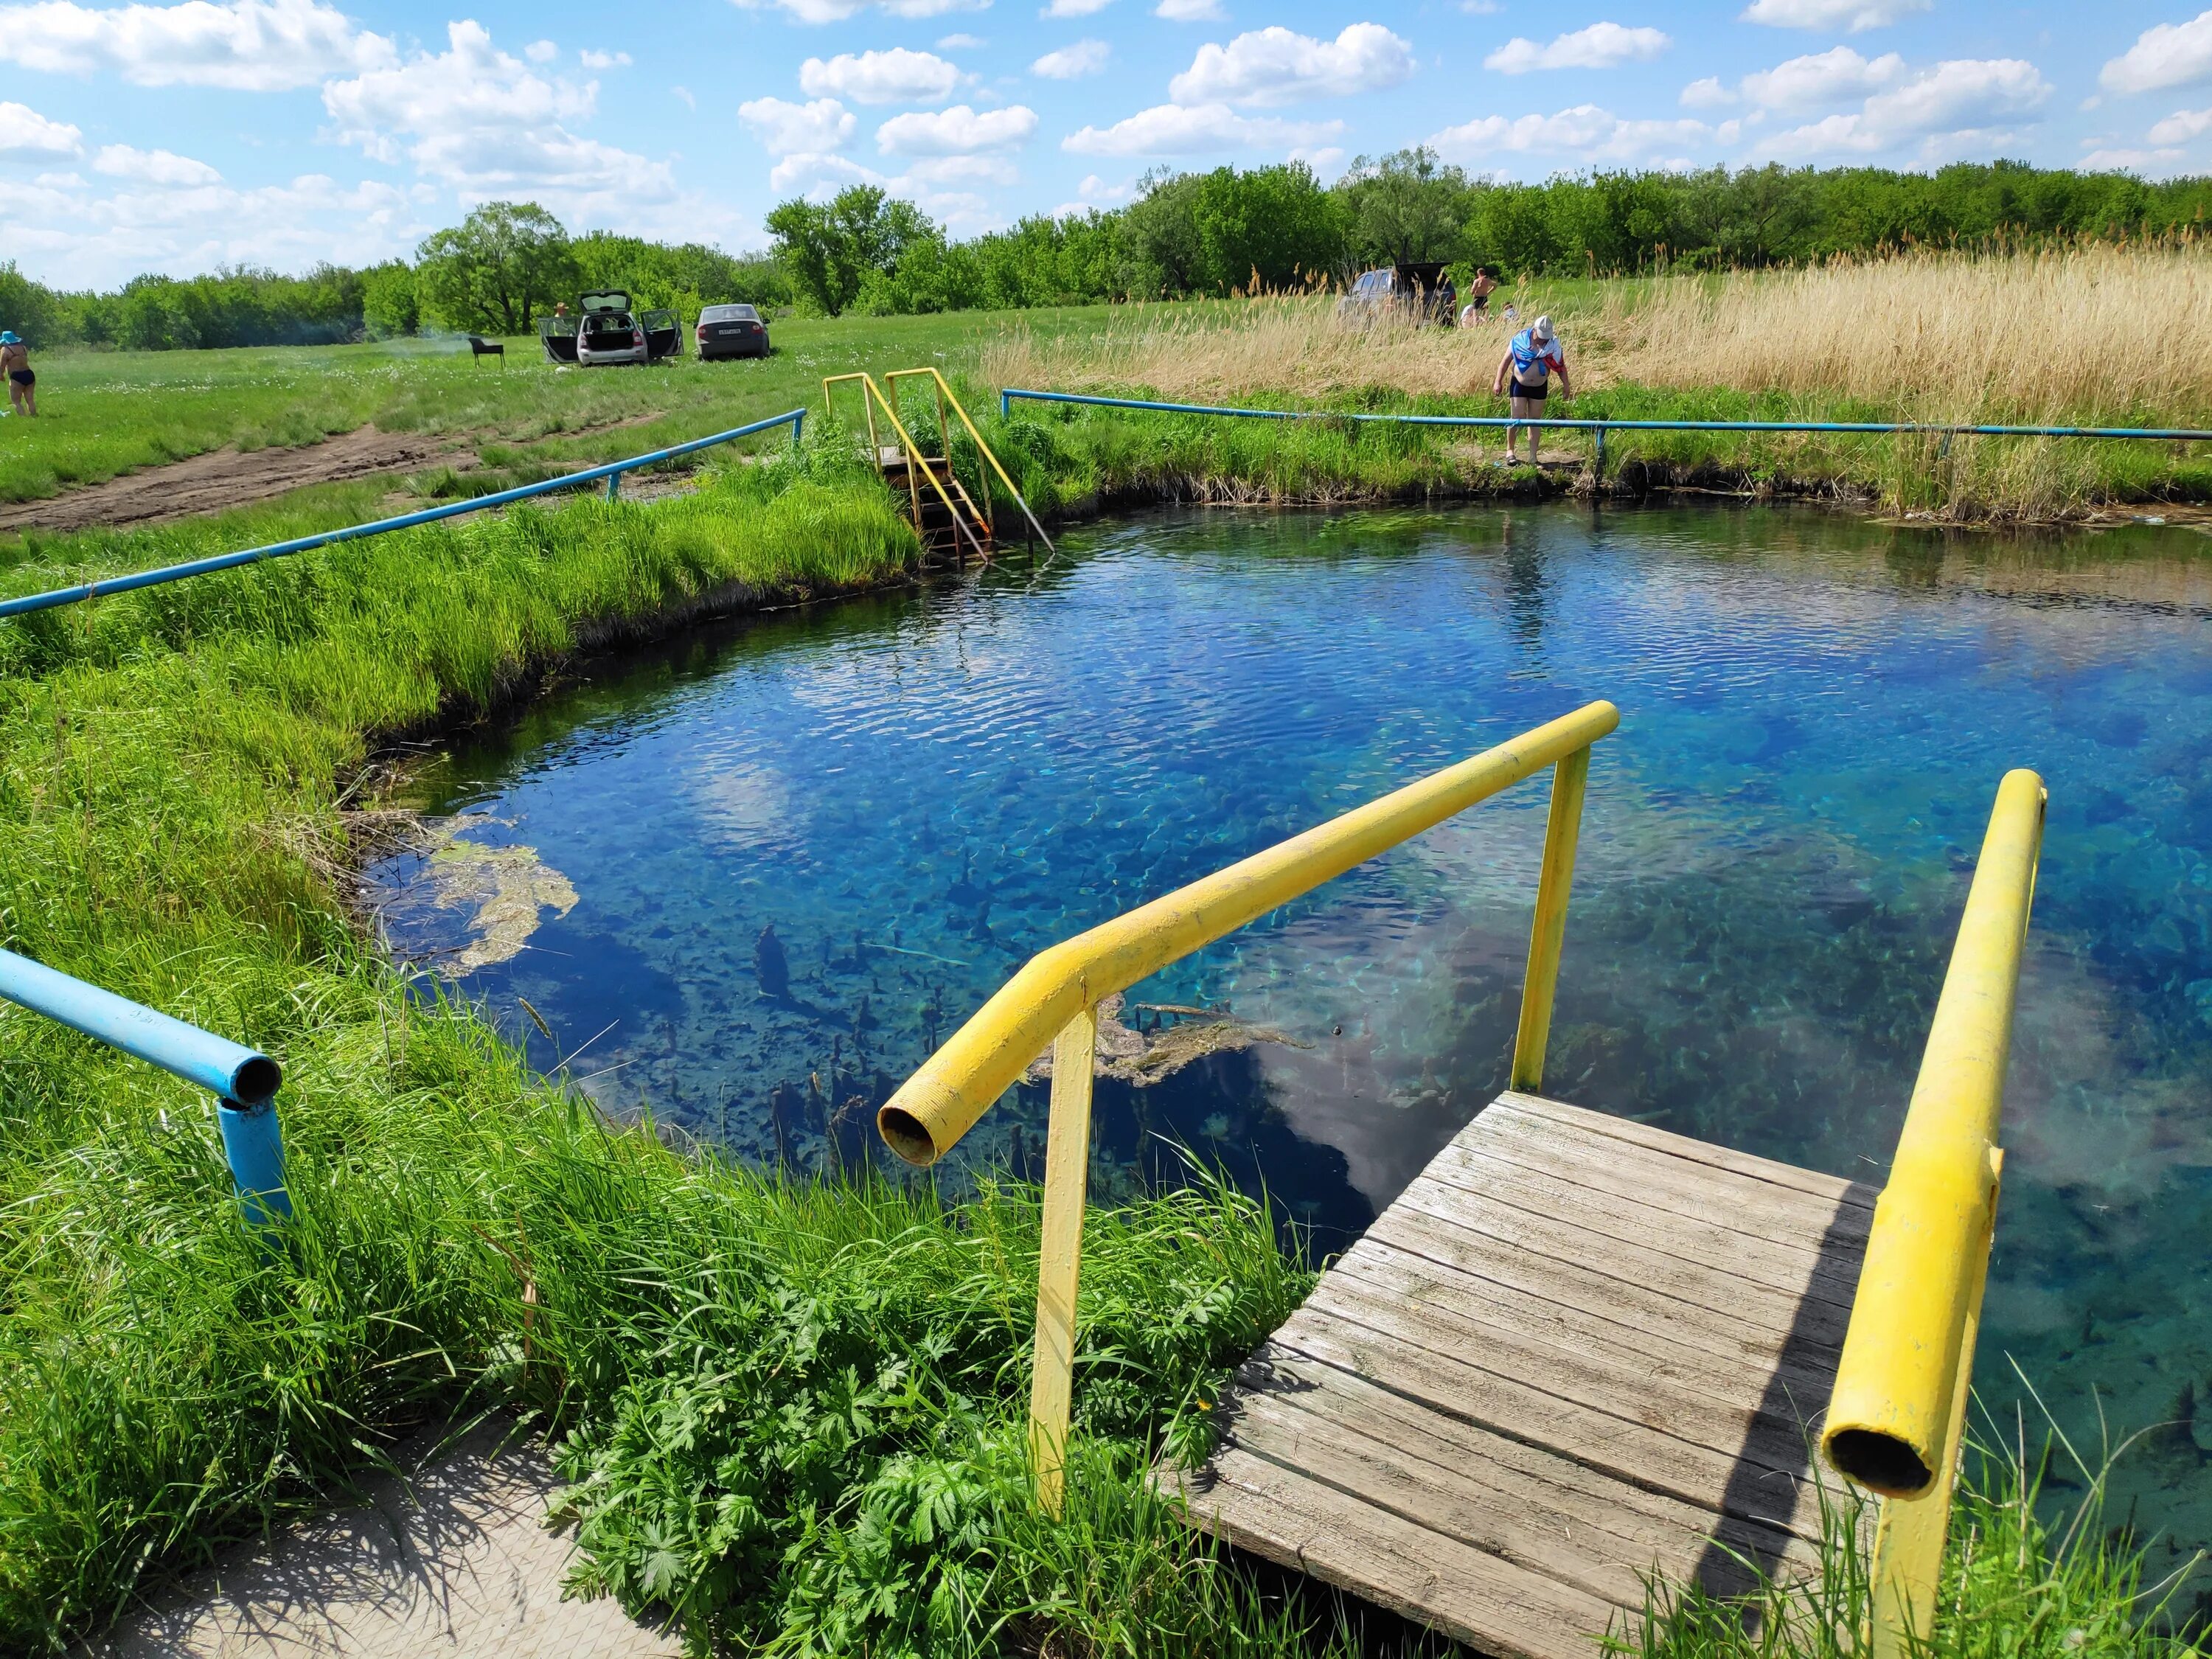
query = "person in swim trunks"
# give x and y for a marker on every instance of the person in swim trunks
(1484, 285)
(1532, 357)
(22, 384)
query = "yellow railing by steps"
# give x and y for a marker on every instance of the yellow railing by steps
(946, 396)
(885, 396)
(1897, 1417)
(872, 398)
(1053, 1001)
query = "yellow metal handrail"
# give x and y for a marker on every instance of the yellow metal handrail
(869, 390)
(945, 394)
(1053, 1001)
(1896, 1418)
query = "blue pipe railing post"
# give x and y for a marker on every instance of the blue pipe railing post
(614, 485)
(243, 1081)
(1597, 466)
(254, 1147)
(1006, 405)
(798, 426)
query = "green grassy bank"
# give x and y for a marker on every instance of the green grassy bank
(791, 1415)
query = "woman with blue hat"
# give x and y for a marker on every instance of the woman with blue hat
(22, 384)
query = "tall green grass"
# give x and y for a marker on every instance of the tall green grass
(790, 1416)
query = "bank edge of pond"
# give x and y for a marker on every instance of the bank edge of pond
(1083, 460)
(468, 1235)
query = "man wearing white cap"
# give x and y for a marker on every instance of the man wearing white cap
(1532, 357)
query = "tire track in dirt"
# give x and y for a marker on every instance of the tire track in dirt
(222, 478)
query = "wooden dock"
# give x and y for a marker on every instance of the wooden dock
(1575, 1352)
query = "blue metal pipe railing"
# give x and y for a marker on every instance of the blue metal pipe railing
(243, 1080)
(611, 472)
(1601, 425)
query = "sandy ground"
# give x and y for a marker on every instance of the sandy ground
(454, 1558)
(223, 478)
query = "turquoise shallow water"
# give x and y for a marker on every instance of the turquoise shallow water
(916, 793)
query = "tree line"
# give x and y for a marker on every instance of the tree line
(1184, 235)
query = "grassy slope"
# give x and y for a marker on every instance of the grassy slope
(828, 1386)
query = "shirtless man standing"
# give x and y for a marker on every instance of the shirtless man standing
(1531, 357)
(22, 384)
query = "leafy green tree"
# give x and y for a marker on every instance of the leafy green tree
(494, 270)
(31, 309)
(1512, 226)
(829, 248)
(1407, 208)
(389, 306)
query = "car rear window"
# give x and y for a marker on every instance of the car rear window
(729, 314)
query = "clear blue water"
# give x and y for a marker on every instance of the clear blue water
(918, 792)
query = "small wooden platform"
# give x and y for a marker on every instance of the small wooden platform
(1575, 1352)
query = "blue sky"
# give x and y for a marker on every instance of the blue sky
(280, 132)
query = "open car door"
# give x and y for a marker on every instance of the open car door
(558, 336)
(664, 334)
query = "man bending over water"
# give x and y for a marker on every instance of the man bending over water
(22, 384)
(1532, 357)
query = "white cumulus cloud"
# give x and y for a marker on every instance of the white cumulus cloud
(243, 46)
(963, 170)
(153, 167)
(541, 52)
(1206, 129)
(1836, 76)
(1852, 16)
(1072, 62)
(819, 12)
(1273, 66)
(1074, 8)
(1944, 109)
(788, 128)
(961, 43)
(2129, 160)
(1585, 131)
(2179, 128)
(24, 131)
(1191, 11)
(896, 76)
(956, 131)
(602, 60)
(1602, 46)
(2170, 55)
(485, 123)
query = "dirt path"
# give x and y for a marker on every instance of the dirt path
(453, 1560)
(223, 478)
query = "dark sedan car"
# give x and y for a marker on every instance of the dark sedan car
(732, 331)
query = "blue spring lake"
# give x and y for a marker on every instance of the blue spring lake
(916, 792)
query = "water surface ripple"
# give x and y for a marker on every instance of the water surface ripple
(917, 792)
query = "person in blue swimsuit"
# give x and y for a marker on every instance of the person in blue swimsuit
(1531, 358)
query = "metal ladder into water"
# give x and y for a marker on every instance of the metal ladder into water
(948, 518)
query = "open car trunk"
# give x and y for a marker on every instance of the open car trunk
(664, 334)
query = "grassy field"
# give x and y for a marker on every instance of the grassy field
(792, 1413)
(102, 413)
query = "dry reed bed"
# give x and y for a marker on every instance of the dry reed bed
(2093, 332)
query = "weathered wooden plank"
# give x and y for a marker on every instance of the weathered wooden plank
(1618, 1446)
(1603, 1385)
(1813, 1181)
(1798, 1271)
(1666, 1182)
(1575, 1349)
(1731, 1338)
(1693, 1377)
(1468, 1593)
(1762, 1310)
(1531, 1506)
